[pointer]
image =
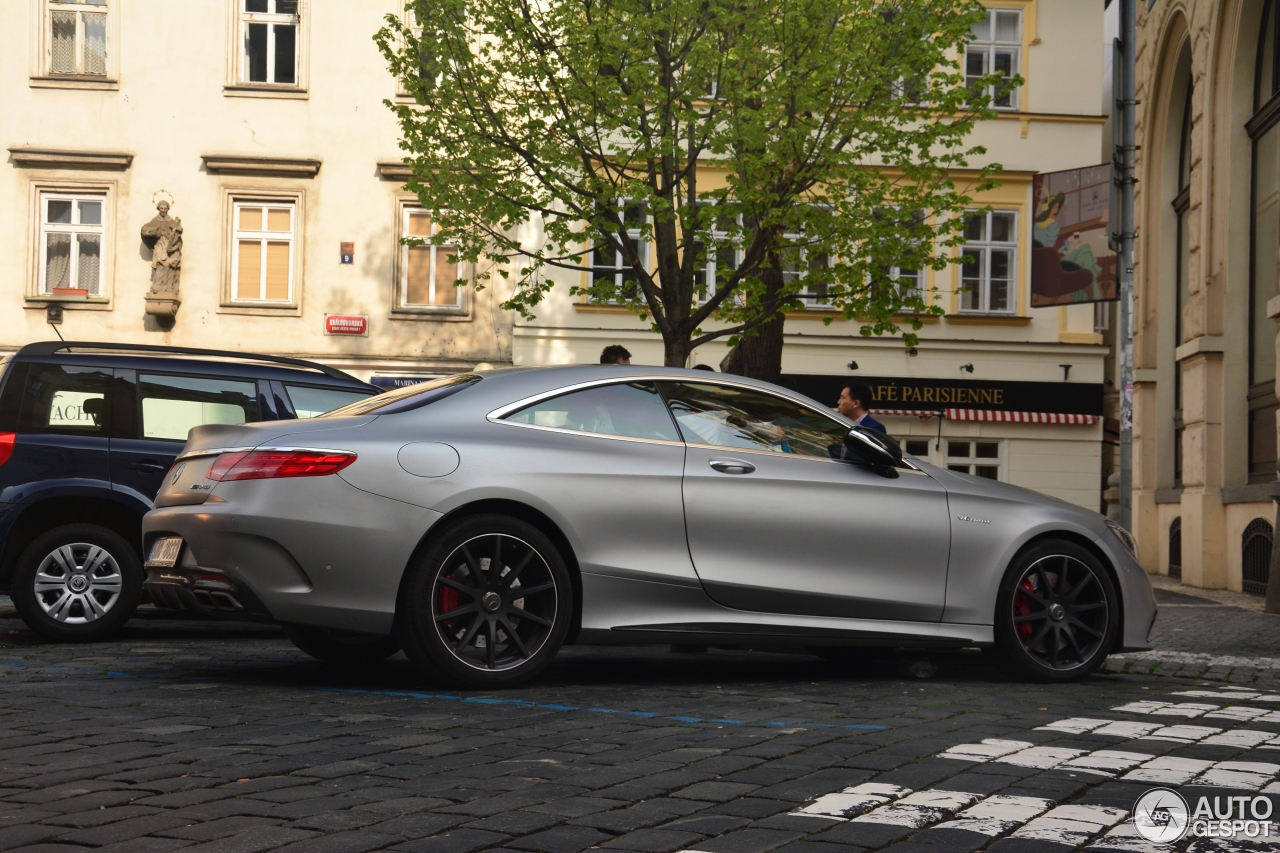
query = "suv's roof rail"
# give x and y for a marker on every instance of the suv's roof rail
(50, 347)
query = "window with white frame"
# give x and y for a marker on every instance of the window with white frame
(263, 252)
(609, 263)
(980, 458)
(796, 269)
(424, 56)
(987, 277)
(717, 258)
(269, 32)
(430, 273)
(78, 37)
(994, 48)
(72, 241)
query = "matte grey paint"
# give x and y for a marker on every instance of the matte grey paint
(796, 546)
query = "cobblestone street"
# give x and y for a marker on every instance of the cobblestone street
(213, 737)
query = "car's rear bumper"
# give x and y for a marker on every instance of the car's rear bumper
(311, 551)
(204, 593)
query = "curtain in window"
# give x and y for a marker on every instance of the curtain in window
(89, 262)
(95, 43)
(63, 47)
(57, 261)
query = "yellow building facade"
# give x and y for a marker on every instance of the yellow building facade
(262, 124)
(1206, 304)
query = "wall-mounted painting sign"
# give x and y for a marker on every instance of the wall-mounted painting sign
(1070, 260)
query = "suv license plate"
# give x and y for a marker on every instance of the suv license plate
(164, 552)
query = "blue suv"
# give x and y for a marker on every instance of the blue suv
(87, 432)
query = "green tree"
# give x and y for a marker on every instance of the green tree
(708, 163)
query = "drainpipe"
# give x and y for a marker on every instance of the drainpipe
(1124, 161)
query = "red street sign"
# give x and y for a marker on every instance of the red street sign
(346, 324)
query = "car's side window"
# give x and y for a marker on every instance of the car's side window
(172, 405)
(631, 409)
(310, 401)
(64, 399)
(724, 416)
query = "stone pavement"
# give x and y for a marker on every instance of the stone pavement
(209, 738)
(1199, 636)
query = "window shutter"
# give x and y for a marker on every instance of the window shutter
(249, 283)
(277, 270)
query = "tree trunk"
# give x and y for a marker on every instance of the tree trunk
(675, 353)
(759, 356)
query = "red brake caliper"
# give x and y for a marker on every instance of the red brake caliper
(447, 599)
(1022, 607)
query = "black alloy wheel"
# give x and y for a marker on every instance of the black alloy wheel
(490, 604)
(1058, 612)
(77, 583)
(341, 648)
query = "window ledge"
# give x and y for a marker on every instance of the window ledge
(49, 158)
(92, 303)
(280, 167)
(439, 315)
(266, 90)
(1253, 493)
(988, 320)
(75, 81)
(260, 310)
(823, 313)
(591, 308)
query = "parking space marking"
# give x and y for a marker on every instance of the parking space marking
(1124, 838)
(919, 809)
(1073, 825)
(998, 814)
(851, 802)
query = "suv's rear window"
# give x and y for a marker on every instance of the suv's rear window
(173, 405)
(60, 399)
(409, 397)
(311, 402)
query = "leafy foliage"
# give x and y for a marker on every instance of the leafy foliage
(812, 138)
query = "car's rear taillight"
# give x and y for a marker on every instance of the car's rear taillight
(274, 464)
(6, 445)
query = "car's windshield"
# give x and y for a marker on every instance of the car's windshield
(409, 397)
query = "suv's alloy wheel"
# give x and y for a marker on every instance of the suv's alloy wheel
(78, 582)
(488, 605)
(1058, 612)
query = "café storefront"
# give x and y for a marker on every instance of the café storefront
(1045, 436)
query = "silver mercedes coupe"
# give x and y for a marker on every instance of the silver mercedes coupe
(483, 520)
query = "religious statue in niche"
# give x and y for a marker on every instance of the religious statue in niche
(163, 236)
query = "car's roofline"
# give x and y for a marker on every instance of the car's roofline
(49, 348)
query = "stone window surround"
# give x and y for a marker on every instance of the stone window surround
(109, 190)
(399, 310)
(41, 76)
(235, 87)
(297, 197)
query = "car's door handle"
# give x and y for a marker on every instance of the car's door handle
(732, 466)
(147, 467)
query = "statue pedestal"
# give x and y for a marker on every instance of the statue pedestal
(163, 308)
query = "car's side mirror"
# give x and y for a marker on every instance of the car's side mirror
(874, 449)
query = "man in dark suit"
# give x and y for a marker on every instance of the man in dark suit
(855, 399)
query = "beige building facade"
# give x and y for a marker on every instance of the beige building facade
(262, 123)
(989, 335)
(1208, 221)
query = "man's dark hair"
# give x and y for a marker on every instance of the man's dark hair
(860, 391)
(704, 367)
(612, 353)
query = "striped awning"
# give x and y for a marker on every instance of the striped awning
(989, 415)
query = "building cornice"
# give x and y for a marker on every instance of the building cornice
(240, 164)
(51, 158)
